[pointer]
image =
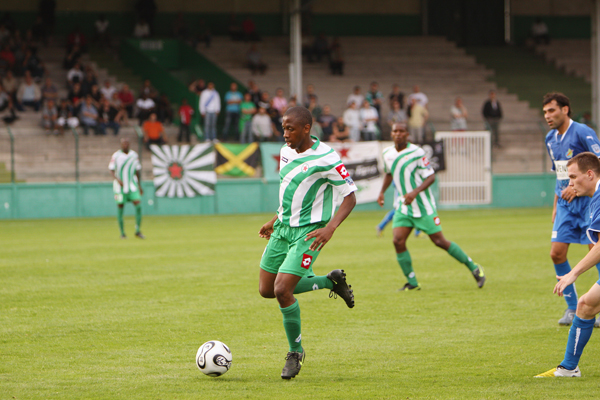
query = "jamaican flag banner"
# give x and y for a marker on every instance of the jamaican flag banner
(237, 159)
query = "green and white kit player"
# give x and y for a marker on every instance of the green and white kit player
(125, 168)
(407, 166)
(310, 173)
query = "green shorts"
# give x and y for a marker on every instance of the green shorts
(429, 224)
(288, 253)
(122, 198)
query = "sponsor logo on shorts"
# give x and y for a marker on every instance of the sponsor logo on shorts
(341, 169)
(425, 161)
(306, 260)
(436, 220)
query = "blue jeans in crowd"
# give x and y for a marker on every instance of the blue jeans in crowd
(210, 126)
(232, 119)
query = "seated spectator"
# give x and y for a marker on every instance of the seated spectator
(356, 97)
(276, 118)
(197, 86)
(4, 32)
(255, 62)
(127, 99)
(310, 93)
(315, 129)
(145, 106)
(539, 32)
(89, 81)
(185, 119)
(75, 74)
(341, 131)
(66, 117)
(458, 116)
(254, 92)
(149, 90)
(417, 118)
(9, 22)
(88, 116)
(10, 85)
(396, 95)
(421, 97)
(352, 120)
(249, 30)
(234, 28)
(107, 118)
(11, 114)
(368, 119)
(204, 35)
(4, 97)
(374, 97)
(248, 109)
(122, 117)
(72, 57)
(49, 91)
(76, 38)
(96, 96)
(265, 100)
(76, 93)
(7, 58)
(263, 128)
(49, 117)
(279, 101)
(33, 64)
(326, 120)
(19, 52)
(108, 90)
(164, 111)
(314, 108)
(396, 114)
(101, 34)
(336, 63)
(319, 49)
(38, 30)
(141, 29)
(29, 94)
(154, 133)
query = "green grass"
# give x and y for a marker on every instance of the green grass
(84, 315)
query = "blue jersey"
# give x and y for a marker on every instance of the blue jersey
(594, 226)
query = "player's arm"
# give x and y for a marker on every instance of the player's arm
(409, 197)
(387, 181)
(267, 229)
(138, 173)
(591, 259)
(112, 172)
(554, 207)
(323, 235)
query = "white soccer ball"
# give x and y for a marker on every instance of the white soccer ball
(213, 358)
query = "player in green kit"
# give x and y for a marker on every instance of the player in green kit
(125, 168)
(407, 166)
(310, 173)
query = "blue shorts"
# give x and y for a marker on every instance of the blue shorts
(571, 222)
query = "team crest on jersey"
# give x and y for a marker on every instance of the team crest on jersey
(341, 169)
(436, 220)
(306, 260)
(569, 153)
(425, 161)
(596, 148)
(304, 168)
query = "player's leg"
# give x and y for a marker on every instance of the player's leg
(120, 210)
(558, 253)
(290, 310)
(270, 262)
(386, 220)
(401, 233)
(136, 200)
(597, 323)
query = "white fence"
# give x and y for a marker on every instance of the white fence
(468, 175)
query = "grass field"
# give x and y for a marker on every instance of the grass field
(84, 315)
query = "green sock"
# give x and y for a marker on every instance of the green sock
(406, 264)
(455, 251)
(138, 217)
(308, 284)
(120, 219)
(291, 324)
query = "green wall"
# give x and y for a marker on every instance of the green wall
(232, 196)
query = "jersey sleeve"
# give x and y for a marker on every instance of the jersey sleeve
(340, 179)
(594, 228)
(386, 167)
(548, 136)
(111, 164)
(590, 141)
(425, 169)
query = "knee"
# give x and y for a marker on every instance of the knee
(442, 243)
(399, 244)
(267, 293)
(558, 256)
(586, 309)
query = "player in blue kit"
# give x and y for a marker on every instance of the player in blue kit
(584, 173)
(570, 213)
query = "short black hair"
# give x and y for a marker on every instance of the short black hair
(301, 113)
(561, 100)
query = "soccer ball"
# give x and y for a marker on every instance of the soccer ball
(213, 358)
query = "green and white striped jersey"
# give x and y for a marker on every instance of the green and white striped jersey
(409, 168)
(307, 184)
(125, 167)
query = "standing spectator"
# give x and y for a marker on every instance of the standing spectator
(76, 38)
(101, 34)
(255, 62)
(96, 96)
(492, 113)
(11, 114)
(396, 95)
(233, 100)
(368, 119)
(356, 97)
(314, 108)
(180, 29)
(146, 11)
(145, 106)
(66, 117)
(88, 116)
(49, 91)
(458, 116)
(49, 117)
(107, 118)
(319, 48)
(326, 120)
(397, 114)
(89, 82)
(197, 86)
(164, 110)
(127, 99)
(263, 128)
(539, 32)
(417, 118)
(10, 84)
(336, 63)
(276, 118)
(310, 93)
(108, 90)
(254, 92)
(248, 109)
(141, 29)
(72, 57)
(419, 96)
(75, 74)
(279, 101)
(210, 107)
(29, 94)
(185, 119)
(76, 93)
(149, 90)
(154, 133)
(341, 132)
(249, 30)
(352, 120)
(122, 117)
(374, 97)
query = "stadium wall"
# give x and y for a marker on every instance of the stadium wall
(232, 196)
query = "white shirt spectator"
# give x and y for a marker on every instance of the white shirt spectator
(74, 72)
(368, 118)
(108, 92)
(356, 99)
(210, 101)
(141, 30)
(262, 126)
(145, 104)
(421, 98)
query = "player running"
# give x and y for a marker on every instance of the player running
(125, 168)
(583, 170)
(570, 215)
(310, 172)
(407, 166)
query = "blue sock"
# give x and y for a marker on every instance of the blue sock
(579, 334)
(386, 220)
(570, 294)
(598, 267)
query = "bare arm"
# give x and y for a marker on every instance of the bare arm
(267, 229)
(591, 259)
(387, 181)
(409, 197)
(554, 207)
(138, 173)
(116, 178)
(323, 235)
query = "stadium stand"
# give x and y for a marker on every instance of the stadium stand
(573, 56)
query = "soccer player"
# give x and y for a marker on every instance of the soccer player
(570, 216)
(583, 172)
(407, 166)
(125, 168)
(310, 173)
